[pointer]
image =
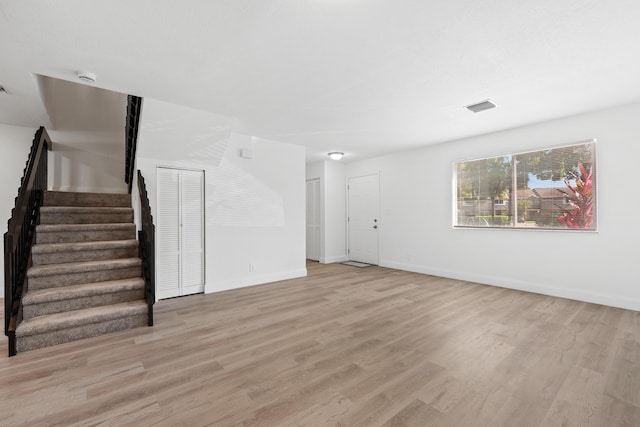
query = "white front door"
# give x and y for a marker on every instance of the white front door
(313, 219)
(180, 232)
(363, 218)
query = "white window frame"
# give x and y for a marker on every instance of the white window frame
(462, 221)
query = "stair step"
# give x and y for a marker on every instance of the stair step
(85, 278)
(67, 233)
(58, 253)
(75, 297)
(84, 215)
(53, 329)
(63, 198)
(75, 273)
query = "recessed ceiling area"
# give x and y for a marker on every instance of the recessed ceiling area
(363, 77)
(81, 107)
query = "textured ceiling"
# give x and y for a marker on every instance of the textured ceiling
(366, 77)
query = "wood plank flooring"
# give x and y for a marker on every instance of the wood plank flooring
(343, 347)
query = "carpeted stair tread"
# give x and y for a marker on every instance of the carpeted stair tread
(63, 198)
(109, 226)
(83, 210)
(41, 296)
(47, 248)
(73, 232)
(87, 316)
(81, 267)
(84, 214)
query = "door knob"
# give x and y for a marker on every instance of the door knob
(375, 226)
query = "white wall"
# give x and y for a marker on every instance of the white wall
(15, 143)
(88, 134)
(335, 247)
(254, 208)
(87, 161)
(314, 170)
(416, 230)
(332, 176)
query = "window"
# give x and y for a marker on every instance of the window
(547, 189)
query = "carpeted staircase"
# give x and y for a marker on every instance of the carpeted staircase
(86, 274)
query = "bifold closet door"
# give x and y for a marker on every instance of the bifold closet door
(192, 203)
(313, 219)
(180, 232)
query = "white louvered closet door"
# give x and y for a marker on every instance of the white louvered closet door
(168, 234)
(180, 232)
(192, 232)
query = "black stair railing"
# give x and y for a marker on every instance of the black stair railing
(134, 107)
(146, 244)
(21, 231)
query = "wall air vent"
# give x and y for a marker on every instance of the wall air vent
(481, 106)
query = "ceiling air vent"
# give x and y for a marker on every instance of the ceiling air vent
(481, 106)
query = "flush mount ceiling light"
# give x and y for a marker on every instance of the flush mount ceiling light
(86, 76)
(336, 155)
(481, 106)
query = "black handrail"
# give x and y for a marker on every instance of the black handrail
(134, 106)
(20, 232)
(146, 245)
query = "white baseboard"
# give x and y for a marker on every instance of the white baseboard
(521, 285)
(241, 282)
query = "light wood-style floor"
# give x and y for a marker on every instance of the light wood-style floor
(345, 347)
